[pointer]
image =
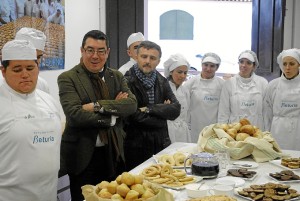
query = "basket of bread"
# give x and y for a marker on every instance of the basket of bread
(125, 187)
(241, 139)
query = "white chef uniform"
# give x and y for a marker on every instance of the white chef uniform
(204, 97)
(242, 98)
(30, 135)
(20, 4)
(178, 128)
(123, 69)
(282, 108)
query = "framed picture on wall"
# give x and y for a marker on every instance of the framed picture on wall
(47, 16)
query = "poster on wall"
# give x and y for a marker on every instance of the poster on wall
(47, 16)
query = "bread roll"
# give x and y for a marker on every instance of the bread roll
(117, 197)
(247, 129)
(241, 136)
(237, 126)
(132, 195)
(127, 178)
(232, 132)
(122, 190)
(258, 134)
(112, 187)
(244, 122)
(225, 127)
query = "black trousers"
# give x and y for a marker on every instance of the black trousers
(95, 172)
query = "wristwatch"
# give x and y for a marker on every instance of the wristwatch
(97, 107)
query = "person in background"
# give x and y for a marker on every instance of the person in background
(44, 9)
(30, 133)
(13, 10)
(282, 102)
(28, 7)
(132, 43)
(204, 95)
(36, 12)
(4, 12)
(147, 129)
(20, 5)
(56, 18)
(95, 98)
(38, 39)
(175, 70)
(242, 95)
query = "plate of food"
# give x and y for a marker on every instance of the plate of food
(285, 176)
(243, 173)
(168, 177)
(245, 164)
(287, 163)
(271, 190)
(175, 160)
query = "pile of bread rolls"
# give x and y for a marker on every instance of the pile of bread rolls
(126, 187)
(241, 130)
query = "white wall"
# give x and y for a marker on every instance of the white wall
(292, 25)
(80, 18)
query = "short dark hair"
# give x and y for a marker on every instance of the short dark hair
(6, 63)
(149, 45)
(95, 34)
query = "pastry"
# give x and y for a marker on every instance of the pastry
(232, 132)
(241, 136)
(127, 178)
(244, 122)
(132, 195)
(247, 129)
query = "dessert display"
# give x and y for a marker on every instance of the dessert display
(167, 176)
(174, 160)
(293, 163)
(214, 198)
(268, 192)
(285, 175)
(242, 172)
(241, 130)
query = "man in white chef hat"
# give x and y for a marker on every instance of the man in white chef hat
(38, 39)
(30, 128)
(133, 42)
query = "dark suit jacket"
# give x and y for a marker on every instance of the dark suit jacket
(82, 127)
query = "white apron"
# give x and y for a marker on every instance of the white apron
(204, 103)
(30, 148)
(246, 102)
(178, 129)
(286, 117)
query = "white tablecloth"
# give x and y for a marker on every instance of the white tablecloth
(262, 170)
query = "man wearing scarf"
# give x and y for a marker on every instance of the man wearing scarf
(95, 98)
(146, 129)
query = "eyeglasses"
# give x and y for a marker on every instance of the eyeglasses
(91, 51)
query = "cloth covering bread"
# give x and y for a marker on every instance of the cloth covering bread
(213, 137)
(89, 193)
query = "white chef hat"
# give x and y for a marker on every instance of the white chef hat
(212, 58)
(295, 53)
(250, 55)
(36, 37)
(173, 62)
(18, 50)
(134, 38)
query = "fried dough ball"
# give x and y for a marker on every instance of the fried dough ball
(241, 136)
(138, 188)
(123, 189)
(102, 184)
(127, 178)
(112, 187)
(104, 194)
(117, 197)
(132, 195)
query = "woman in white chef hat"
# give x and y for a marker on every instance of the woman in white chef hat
(175, 70)
(203, 93)
(30, 129)
(282, 101)
(242, 95)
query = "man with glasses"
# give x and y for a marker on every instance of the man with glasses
(95, 98)
(38, 39)
(133, 42)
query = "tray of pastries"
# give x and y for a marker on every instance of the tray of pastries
(175, 160)
(168, 177)
(285, 176)
(268, 192)
(242, 173)
(288, 163)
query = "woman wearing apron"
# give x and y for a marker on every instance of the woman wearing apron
(242, 95)
(282, 102)
(175, 70)
(30, 129)
(204, 93)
